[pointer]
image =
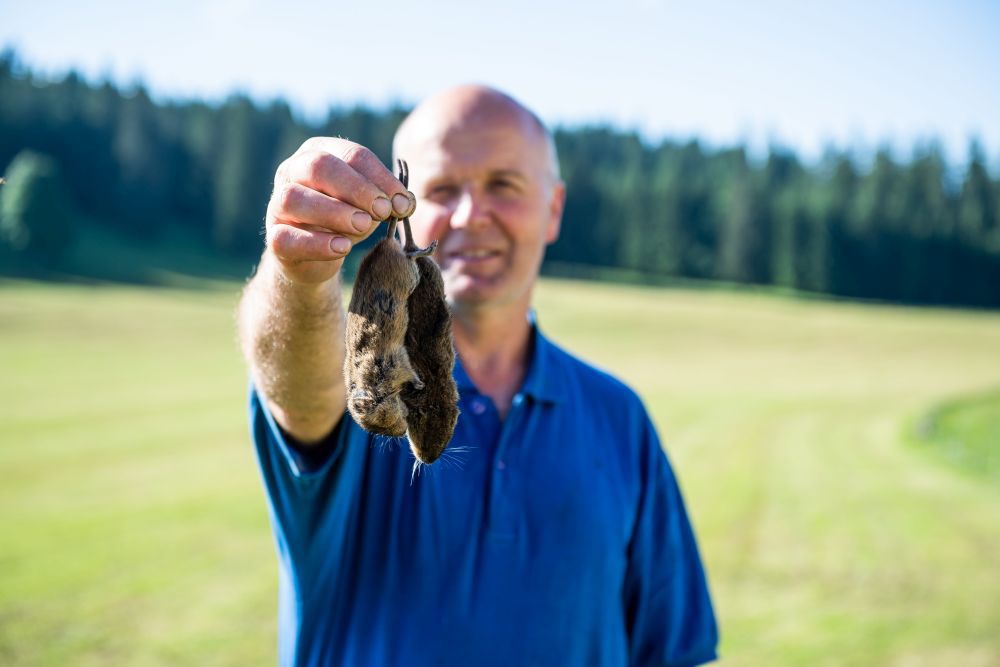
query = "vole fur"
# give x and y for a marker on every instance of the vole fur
(432, 411)
(377, 365)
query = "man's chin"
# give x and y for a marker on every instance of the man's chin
(465, 292)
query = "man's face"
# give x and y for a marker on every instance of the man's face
(485, 192)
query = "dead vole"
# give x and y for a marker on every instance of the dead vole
(432, 411)
(377, 365)
(400, 354)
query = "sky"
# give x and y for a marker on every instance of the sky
(803, 75)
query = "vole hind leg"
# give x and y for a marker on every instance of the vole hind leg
(409, 247)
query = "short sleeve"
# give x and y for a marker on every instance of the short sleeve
(297, 486)
(667, 602)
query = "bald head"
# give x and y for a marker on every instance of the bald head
(471, 106)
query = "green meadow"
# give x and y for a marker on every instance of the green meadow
(839, 462)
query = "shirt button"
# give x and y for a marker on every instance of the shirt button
(501, 465)
(478, 406)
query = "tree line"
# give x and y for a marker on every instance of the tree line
(913, 231)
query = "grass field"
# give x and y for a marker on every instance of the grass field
(135, 529)
(965, 432)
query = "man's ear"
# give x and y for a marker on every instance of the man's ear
(557, 201)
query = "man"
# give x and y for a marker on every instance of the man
(561, 539)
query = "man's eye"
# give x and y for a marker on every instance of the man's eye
(441, 192)
(503, 185)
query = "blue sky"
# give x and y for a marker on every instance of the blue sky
(847, 73)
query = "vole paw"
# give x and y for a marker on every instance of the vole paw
(421, 252)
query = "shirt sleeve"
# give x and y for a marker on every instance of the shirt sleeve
(668, 606)
(298, 486)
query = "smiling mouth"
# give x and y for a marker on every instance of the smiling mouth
(473, 254)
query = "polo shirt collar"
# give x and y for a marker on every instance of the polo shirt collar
(539, 383)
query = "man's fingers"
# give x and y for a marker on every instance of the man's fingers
(365, 164)
(328, 196)
(292, 244)
(330, 175)
(294, 202)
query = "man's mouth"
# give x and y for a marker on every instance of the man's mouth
(473, 254)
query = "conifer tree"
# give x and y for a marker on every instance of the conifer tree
(36, 215)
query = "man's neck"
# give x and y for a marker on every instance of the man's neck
(494, 347)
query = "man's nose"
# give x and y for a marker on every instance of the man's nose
(471, 211)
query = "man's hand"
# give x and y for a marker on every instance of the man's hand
(328, 196)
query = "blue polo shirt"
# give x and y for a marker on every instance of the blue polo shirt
(557, 536)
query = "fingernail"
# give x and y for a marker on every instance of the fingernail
(340, 245)
(382, 208)
(361, 221)
(401, 205)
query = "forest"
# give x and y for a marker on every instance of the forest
(912, 230)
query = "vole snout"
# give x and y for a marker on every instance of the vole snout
(385, 415)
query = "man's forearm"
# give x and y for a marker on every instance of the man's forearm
(293, 337)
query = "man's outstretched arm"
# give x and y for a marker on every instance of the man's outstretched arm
(293, 338)
(327, 196)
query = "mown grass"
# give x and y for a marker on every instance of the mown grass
(135, 529)
(965, 432)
